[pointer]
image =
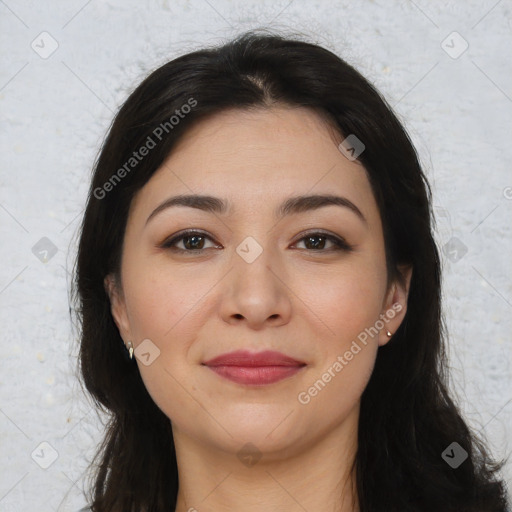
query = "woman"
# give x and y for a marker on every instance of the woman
(259, 295)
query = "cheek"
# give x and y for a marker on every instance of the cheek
(347, 301)
(168, 307)
(165, 310)
(346, 352)
(164, 302)
(349, 304)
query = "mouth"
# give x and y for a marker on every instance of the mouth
(256, 369)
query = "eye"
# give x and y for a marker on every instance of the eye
(316, 242)
(194, 241)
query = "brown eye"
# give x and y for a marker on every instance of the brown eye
(192, 241)
(317, 242)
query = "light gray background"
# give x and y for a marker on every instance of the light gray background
(56, 110)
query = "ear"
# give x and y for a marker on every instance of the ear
(118, 306)
(395, 304)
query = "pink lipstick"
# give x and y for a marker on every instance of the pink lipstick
(256, 369)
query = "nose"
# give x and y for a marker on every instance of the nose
(256, 293)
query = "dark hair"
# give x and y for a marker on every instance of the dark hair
(407, 418)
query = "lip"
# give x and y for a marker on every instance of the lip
(248, 359)
(256, 369)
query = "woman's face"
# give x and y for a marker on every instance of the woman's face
(256, 278)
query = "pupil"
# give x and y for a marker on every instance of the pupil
(316, 245)
(191, 241)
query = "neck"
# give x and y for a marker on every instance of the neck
(318, 476)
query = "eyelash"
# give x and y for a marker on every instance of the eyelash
(339, 243)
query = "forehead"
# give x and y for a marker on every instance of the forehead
(257, 157)
(264, 134)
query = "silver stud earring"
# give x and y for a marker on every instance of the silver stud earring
(389, 334)
(129, 346)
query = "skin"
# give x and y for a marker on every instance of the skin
(308, 304)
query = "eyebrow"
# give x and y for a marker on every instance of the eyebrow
(293, 205)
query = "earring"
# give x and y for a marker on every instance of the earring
(130, 348)
(389, 334)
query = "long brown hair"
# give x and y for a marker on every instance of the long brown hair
(407, 417)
